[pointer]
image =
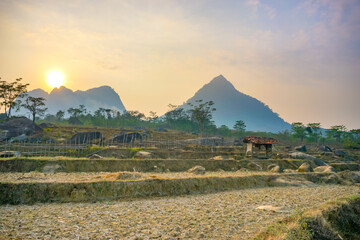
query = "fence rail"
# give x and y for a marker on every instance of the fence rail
(39, 149)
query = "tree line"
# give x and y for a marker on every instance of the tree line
(196, 118)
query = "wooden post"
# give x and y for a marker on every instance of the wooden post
(269, 150)
(249, 149)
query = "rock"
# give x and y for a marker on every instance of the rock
(18, 126)
(20, 138)
(324, 169)
(300, 155)
(305, 167)
(301, 148)
(289, 171)
(325, 148)
(197, 170)
(221, 158)
(7, 154)
(51, 168)
(85, 137)
(274, 168)
(127, 137)
(254, 166)
(95, 156)
(143, 154)
(340, 153)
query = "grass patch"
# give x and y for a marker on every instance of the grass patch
(338, 219)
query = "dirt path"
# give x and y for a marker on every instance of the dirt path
(227, 215)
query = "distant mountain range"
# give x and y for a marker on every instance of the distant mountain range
(232, 105)
(63, 98)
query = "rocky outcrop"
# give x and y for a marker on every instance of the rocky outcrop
(85, 137)
(18, 126)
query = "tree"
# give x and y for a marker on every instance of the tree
(336, 132)
(175, 113)
(60, 115)
(240, 126)
(153, 116)
(74, 112)
(224, 130)
(202, 113)
(299, 130)
(10, 92)
(314, 131)
(35, 105)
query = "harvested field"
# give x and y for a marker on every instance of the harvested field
(124, 185)
(28, 177)
(227, 215)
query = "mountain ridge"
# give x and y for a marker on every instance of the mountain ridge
(232, 105)
(64, 98)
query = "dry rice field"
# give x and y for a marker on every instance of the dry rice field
(225, 215)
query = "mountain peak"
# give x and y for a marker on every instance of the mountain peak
(232, 105)
(218, 85)
(61, 89)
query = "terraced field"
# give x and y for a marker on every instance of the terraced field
(226, 215)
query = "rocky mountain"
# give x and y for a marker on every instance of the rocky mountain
(232, 105)
(63, 98)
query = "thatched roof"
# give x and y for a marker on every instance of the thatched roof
(260, 140)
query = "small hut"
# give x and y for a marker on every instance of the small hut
(257, 143)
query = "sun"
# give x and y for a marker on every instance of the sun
(55, 79)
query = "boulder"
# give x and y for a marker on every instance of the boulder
(301, 148)
(197, 170)
(325, 148)
(275, 168)
(85, 137)
(95, 156)
(324, 169)
(305, 167)
(300, 155)
(143, 154)
(18, 126)
(127, 137)
(20, 138)
(340, 153)
(7, 154)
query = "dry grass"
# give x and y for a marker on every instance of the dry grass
(228, 215)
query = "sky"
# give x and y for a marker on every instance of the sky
(302, 58)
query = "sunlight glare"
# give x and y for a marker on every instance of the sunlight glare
(55, 79)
